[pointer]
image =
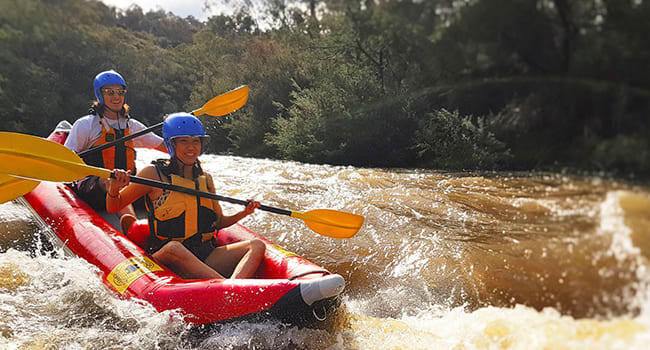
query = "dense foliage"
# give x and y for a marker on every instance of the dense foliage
(475, 84)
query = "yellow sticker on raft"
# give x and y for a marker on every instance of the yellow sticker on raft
(130, 270)
(281, 251)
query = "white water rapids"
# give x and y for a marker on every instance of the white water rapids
(443, 261)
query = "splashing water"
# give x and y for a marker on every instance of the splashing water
(444, 261)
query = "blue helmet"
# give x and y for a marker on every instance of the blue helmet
(102, 79)
(183, 124)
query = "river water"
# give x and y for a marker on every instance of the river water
(443, 261)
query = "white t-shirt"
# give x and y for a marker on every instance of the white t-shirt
(87, 130)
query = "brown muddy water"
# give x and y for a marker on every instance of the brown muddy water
(443, 261)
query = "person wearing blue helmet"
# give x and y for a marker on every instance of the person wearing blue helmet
(107, 121)
(182, 226)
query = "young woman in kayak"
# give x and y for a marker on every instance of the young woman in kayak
(182, 226)
(108, 120)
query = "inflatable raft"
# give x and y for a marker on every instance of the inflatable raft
(286, 286)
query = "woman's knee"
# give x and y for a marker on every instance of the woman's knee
(257, 246)
(172, 251)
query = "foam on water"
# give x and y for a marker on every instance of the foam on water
(444, 261)
(519, 327)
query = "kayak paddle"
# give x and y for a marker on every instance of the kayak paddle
(14, 187)
(44, 160)
(218, 106)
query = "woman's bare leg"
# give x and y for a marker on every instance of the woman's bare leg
(185, 264)
(237, 260)
(126, 221)
(127, 210)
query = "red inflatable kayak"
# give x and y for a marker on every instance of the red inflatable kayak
(286, 286)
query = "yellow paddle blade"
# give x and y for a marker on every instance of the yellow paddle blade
(37, 158)
(331, 223)
(225, 103)
(13, 187)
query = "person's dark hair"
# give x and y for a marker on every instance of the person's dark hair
(98, 109)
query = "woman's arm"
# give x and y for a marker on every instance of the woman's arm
(122, 193)
(149, 140)
(161, 147)
(79, 137)
(229, 220)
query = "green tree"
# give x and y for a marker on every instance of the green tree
(449, 141)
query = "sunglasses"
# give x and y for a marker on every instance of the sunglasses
(111, 92)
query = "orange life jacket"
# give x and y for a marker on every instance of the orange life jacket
(182, 216)
(120, 156)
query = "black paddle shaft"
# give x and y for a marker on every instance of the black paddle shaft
(186, 190)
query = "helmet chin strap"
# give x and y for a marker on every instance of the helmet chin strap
(111, 109)
(183, 164)
(117, 113)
